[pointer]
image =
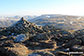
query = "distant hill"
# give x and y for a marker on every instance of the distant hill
(67, 22)
(60, 21)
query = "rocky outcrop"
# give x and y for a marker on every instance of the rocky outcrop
(41, 54)
(13, 49)
(23, 36)
(22, 26)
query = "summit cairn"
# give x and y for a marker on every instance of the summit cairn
(21, 27)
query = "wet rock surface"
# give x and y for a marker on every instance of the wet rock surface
(27, 39)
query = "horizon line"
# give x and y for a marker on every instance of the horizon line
(42, 14)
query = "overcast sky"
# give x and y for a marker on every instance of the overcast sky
(38, 7)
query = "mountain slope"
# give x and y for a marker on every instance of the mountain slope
(60, 21)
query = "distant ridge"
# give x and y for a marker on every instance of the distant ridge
(67, 22)
(61, 21)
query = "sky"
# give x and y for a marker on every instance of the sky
(38, 7)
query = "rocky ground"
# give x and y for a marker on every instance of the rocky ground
(27, 39)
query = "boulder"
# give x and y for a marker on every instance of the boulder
(16, 50)
(20, 38)
(39, 53)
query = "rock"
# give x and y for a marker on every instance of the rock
(2, 38)
(5, 52)
(34, 54)
(79, 35)
(21, 27)
(70, 44)
(20, 38)
(76, 48)
(5, 41)
(40, 45)
(41, 54)
(40, 37)
(60, 53)
(16, 50)
(17, 39)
